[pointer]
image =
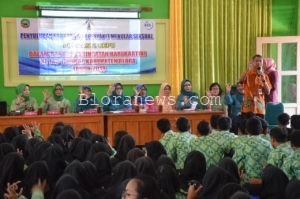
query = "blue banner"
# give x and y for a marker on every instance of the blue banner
(57, 46)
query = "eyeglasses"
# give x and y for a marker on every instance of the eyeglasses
(118, 88)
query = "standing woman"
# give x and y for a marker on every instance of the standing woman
(56, 101)
(23, 102)
(270, 70)
(187, 97)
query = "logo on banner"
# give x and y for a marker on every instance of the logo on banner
(148, 25)
(25, 23)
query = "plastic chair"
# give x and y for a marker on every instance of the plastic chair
(272, 112)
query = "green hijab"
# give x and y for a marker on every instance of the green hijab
(20, 91)
(58, 98)
(184, 92)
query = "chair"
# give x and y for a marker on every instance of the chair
(273, 110)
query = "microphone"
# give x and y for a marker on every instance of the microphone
(259, 71)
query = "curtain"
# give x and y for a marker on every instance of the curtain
(175, 74)
(219, 38)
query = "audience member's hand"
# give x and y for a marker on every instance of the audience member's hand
(34, 126)
(194, 192)
(11, 191)
(19, 151)
(108, 141)
(27, 130)
(41, 185)
(228, 88)
(242, 174)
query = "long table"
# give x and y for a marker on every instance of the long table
(141, 125)
(95, 122)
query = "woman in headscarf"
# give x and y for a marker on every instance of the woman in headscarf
(11, 170)
(104, 170)
(274, 182)
(164, 97)
(154, 150)
(269, 66)
(215, 178)
(23, 102)
(140, 95)
(145, 166)
(126, 144)
(115, 100)
(56, 101)
(86, 101)
(292, 190)
(229, 165)
(187, 97)
(194, 170)
(37, 170)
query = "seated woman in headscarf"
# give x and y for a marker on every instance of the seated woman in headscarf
(140, 95)
(115, 100)
(23, 102)
(187, 97)
(164, 97)
(86, 100)
(56, 101)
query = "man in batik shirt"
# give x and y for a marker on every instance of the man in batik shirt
(180, 146)
(208, 146)
(223, 136)
(291, 165)
(164, 127)
(282, 148)
(253, 155)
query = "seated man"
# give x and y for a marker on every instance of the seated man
(223, 136)
(180, 145)
(252, 156)
(291, 165)
(168, 135)
(208, 146)
(282, 148)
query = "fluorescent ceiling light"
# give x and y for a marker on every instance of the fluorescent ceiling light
(89, 13)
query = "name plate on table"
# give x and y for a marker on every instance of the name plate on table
(54, 112)
(30, 113)
(129, 111)
(90, 111)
